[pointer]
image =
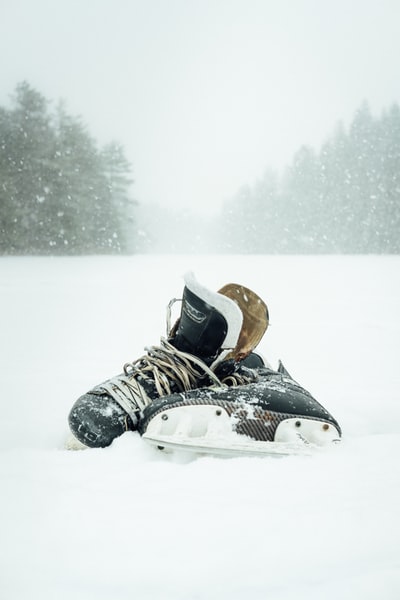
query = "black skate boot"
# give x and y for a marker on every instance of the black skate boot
(207, 331)
(222, 328)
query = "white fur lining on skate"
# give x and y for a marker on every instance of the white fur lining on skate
(227, 307)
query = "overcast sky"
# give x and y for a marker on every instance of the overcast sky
(204, 94)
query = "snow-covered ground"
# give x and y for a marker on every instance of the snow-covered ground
(129, 522)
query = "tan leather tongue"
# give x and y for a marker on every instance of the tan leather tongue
(255, 318)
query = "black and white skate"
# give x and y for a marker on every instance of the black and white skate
(273, 415)
(204, 389)
(208, 328)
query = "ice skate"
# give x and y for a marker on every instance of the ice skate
(205, 390)
(206, 332)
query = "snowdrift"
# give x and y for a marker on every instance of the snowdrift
(129, 522)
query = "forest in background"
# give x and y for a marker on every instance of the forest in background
(344, 198)
(59, 192)
(62, 194)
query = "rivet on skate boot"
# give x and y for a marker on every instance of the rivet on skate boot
(218, 412)
(298, 423)
(164, 417)
(325, 426)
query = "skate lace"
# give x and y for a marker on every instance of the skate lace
(236, 379)
(170, 370)
(165, 365)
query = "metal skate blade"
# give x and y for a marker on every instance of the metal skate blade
(207, 429)
(229, 447)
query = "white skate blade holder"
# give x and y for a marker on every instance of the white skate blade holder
(207, 429)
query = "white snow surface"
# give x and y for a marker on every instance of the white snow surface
(130, 522)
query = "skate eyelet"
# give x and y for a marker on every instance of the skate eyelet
(218, 412)
(325, 426)
(128, 369)
(164, 417)
(298, 424)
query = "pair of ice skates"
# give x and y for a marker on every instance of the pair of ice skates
(204, 389)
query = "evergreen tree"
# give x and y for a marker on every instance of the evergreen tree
(26, 151)
(59, 193)
(387, 200)
(343, 199)
(335, 167)
(116, 169)
(358, 212)
(301, 204)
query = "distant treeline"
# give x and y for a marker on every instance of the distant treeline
(59, 193)
(343, 199)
